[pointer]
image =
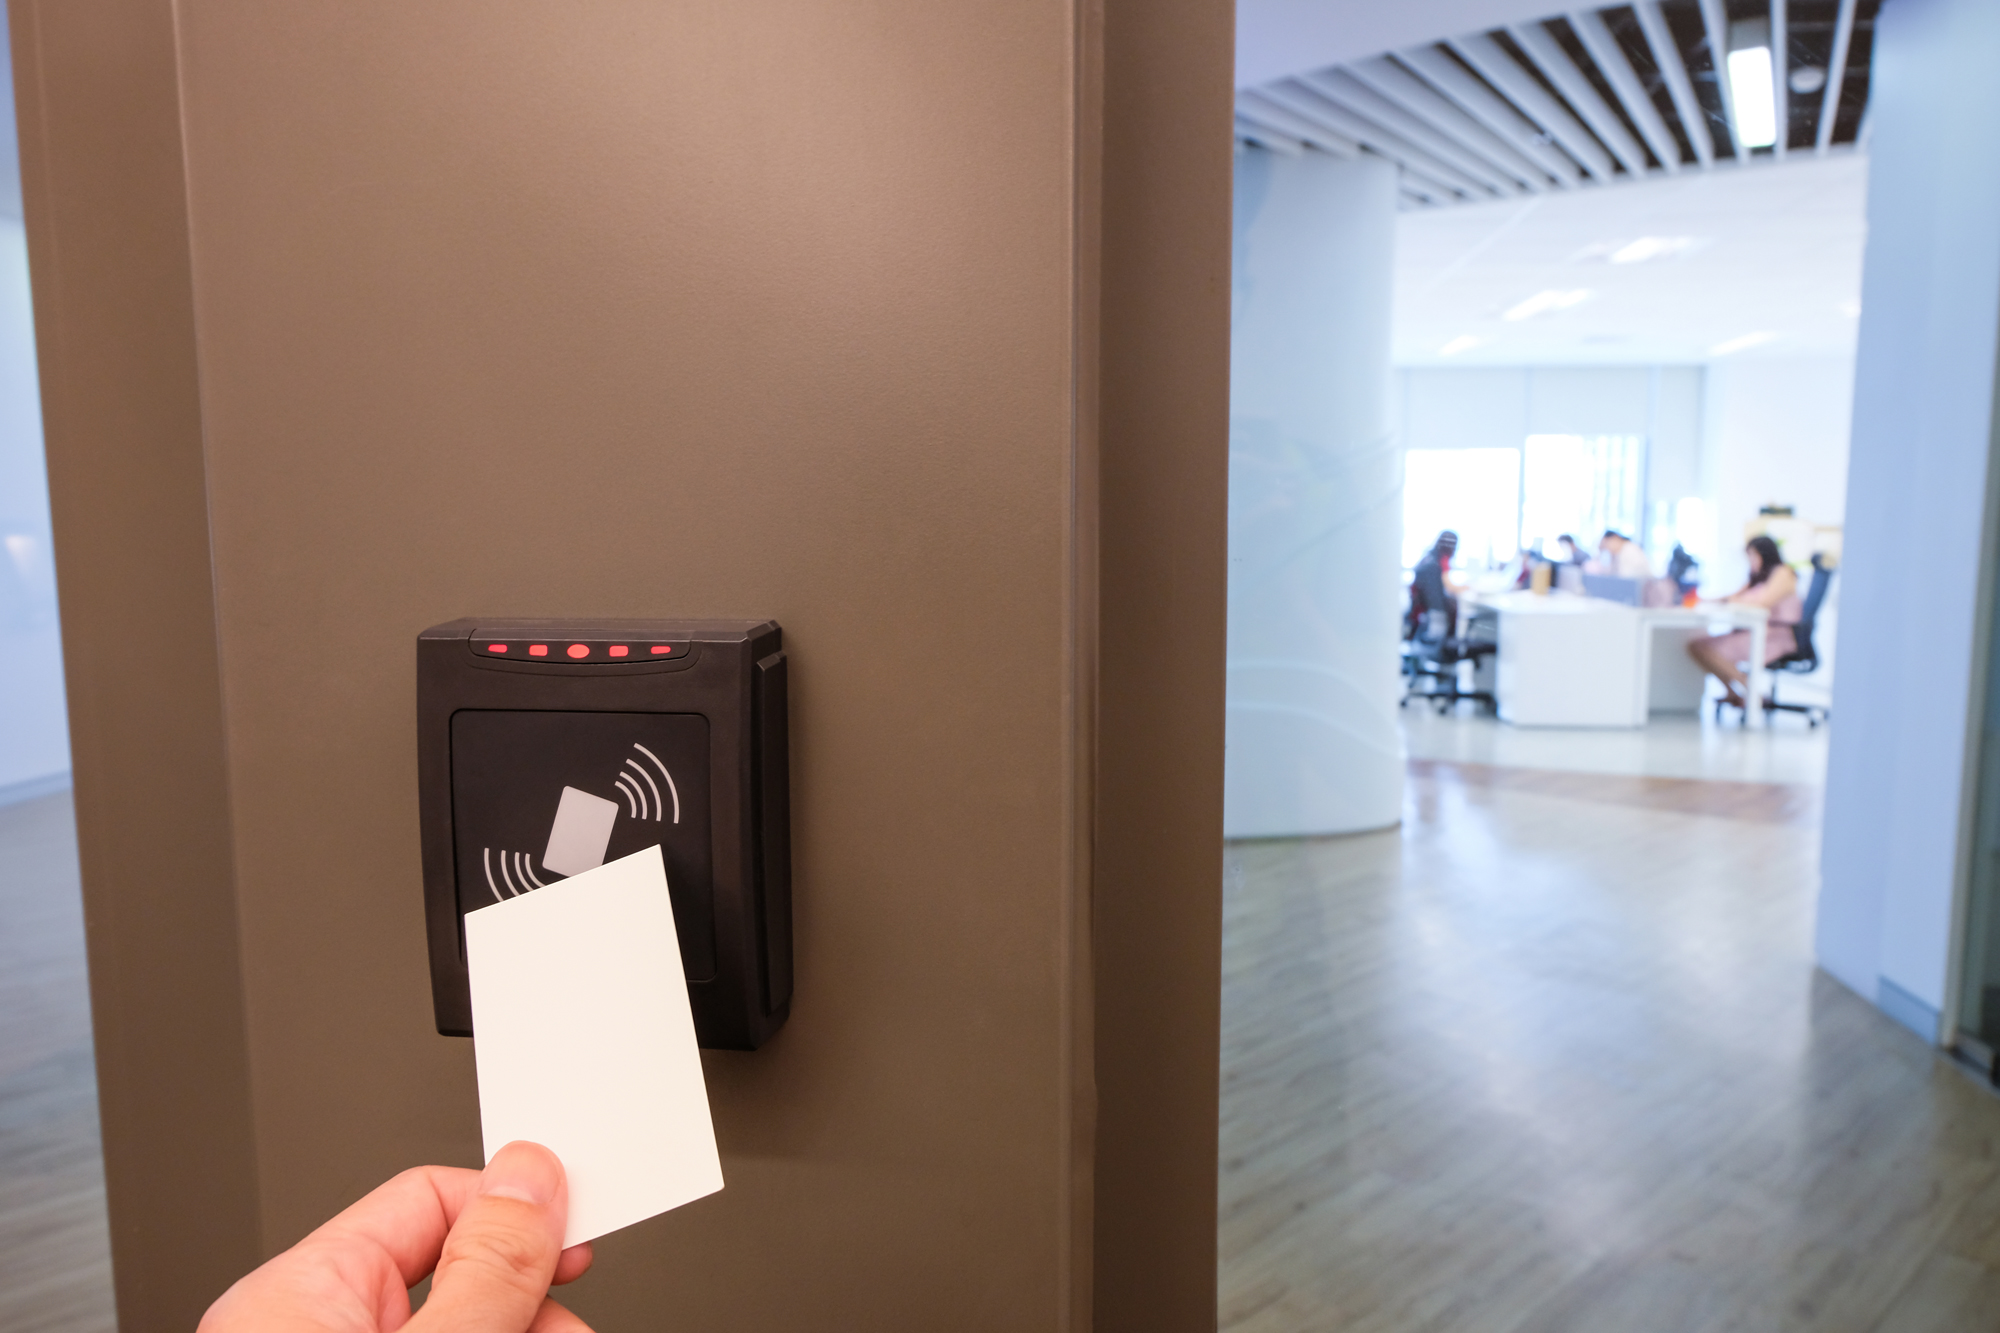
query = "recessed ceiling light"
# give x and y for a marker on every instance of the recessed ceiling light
(1654, 247)
(1755, 97)
(1807, 79)
(1541, 302)
(1464, 342)
(1742, 343)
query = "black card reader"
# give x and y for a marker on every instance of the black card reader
(546, 748)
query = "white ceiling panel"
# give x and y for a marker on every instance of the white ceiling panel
(1744, 262)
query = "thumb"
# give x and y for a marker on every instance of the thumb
(501, 1254)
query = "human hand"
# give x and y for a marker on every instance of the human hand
(493, 1237)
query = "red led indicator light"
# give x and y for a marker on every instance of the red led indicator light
(579, 650)
(618, 650)
(660, 650)
(496, 647)
(538, 650)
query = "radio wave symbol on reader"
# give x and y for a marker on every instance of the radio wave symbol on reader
(521, 879)
(642, 794)
(582, 830)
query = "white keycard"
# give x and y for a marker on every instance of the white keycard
(585, 1042)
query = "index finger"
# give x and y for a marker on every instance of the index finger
(406, 1218)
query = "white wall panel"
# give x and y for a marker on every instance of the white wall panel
(1589, 400)
(1922, 441)
(1673, 460)
(1781, 428)
(1474, 408)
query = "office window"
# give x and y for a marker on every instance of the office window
(1474, 492)
(1582, 485)
(1686, 522)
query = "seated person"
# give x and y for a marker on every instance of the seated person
(1572, 554)
(1773, 586)
(1619, 556)
(1433, 610)
(1684, 570)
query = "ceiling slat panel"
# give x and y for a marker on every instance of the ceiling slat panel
(1624, 81)
(1261, 110)
(1268, 137)
(1344, 90)
(1560, 70)
(1715, 26)
(1836, 74)
(1781, 75)
(1498, 114)
(1498, 68)
(1490, 109)
(1305, 102)
(1312, 114)
(1390, 80)
(1673, 68)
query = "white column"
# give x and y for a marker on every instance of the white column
(1902, 774)
(1315, 502)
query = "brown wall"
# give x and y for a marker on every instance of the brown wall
(108, 246)
(787, 310)
(1164, 474)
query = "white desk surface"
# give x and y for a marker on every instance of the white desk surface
(1524, 603)
(1521, 602)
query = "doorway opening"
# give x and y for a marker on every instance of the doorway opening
(1541, 1042)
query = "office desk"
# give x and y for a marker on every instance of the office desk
(1570, 661)
(1693, 622)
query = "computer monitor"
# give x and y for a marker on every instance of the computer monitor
(1611, 588)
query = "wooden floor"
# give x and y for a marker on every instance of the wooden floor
(55, 1252)
(1553, 1058)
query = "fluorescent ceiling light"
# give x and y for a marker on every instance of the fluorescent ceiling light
(1551, 299)
(1653, 247)
(1464, 342)
(1748, 340)
(1755, 96)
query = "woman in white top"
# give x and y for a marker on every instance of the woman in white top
(1773, 586)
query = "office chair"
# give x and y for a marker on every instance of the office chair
(1433, 654)
(1803, 660)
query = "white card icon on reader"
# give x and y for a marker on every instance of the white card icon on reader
(581, 833)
